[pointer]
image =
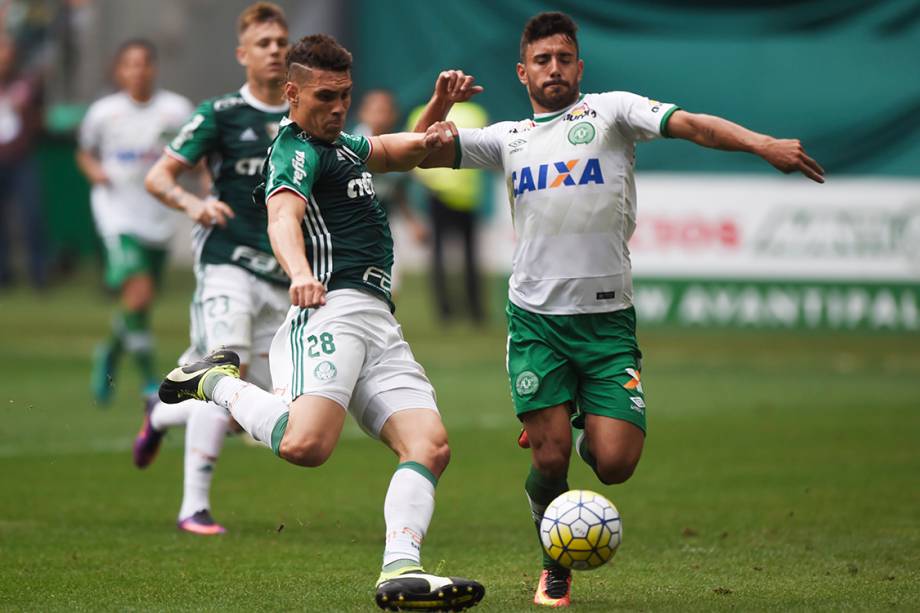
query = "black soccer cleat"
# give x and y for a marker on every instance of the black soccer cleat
(416, 590)
(184, 382)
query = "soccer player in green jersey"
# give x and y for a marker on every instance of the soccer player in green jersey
(241, 291)
(572, 350)
(340, 350)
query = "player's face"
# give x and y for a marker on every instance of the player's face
(551, 72)
(378, 112)
(136, 72)
(261, 50)
(319, 104)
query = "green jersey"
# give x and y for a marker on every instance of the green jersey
(347, 237)
(233, 132)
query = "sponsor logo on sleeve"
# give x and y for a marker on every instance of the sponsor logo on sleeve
(187, 130)
(298, 162)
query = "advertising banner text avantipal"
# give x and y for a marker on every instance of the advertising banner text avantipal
(777, 252)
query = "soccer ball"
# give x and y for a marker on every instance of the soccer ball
(581, 530)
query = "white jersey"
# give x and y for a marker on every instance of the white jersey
(573, 198)
(128, 137)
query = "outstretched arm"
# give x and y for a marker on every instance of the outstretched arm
(285, 212)
(451, 87)
(404, 151)
(786, 155)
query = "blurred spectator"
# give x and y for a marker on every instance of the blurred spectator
(20, 125)
(454, 197)
(378, 115)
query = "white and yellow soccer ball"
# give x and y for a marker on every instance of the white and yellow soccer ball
(581, 530)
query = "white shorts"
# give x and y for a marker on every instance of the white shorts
(234, 309)
(351, 350)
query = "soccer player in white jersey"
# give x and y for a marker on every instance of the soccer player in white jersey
(572, 351)
(120, 139)
(341, 351)
(240, 297)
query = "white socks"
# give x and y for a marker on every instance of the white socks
(165, 416)
(256, 410)
(407, 510)
(204, 437)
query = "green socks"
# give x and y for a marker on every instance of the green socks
(138, 341)
(542, 490)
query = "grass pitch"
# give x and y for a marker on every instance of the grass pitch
(781, 472)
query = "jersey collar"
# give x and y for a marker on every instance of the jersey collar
(544, 117)
(258, 104)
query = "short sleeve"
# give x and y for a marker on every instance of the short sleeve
(360, 145)
(197, 137)
(90, 136)
(481, 147)
(638, 117)
(292, 165)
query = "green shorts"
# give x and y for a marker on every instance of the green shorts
(127, 257)
(592, 360)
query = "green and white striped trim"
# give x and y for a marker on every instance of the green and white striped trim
(420, 469)
(322, 241)
(297, 351)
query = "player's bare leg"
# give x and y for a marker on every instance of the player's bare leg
(313, 429)
(550, 438)
(612, 447)
(419, 440)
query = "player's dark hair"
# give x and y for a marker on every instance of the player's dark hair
(319, 51)
(137, 43)
(545, 25)
(260, 12)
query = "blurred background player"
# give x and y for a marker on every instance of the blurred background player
(454, 200)
(120, 139)
(573, 356)
(241, 294)
(20, 127)
(378, 114)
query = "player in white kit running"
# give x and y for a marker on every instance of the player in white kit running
(573, 357)
(121, 137)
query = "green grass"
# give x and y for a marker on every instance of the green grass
(781, 472)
